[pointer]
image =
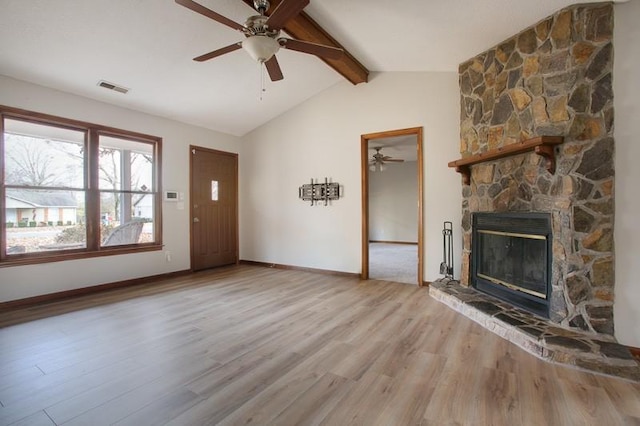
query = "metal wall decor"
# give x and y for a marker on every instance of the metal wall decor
(315, 192)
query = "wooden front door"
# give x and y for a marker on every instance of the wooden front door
(214, 208)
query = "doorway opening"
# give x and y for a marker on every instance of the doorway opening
(396, 144)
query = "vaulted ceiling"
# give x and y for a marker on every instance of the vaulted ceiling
(148, 46)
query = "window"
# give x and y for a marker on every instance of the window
(74, 189)
(126, 189)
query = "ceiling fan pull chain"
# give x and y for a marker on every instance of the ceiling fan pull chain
(261, 66)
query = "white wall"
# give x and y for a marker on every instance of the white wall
(627, 137)
(393, 203)
(321, 137)
(18, 282)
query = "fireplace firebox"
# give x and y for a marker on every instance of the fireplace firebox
(511, 258)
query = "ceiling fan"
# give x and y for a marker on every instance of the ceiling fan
(377, 162)
(263, 34)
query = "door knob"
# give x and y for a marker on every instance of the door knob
(196, 220)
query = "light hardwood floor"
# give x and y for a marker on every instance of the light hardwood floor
(259, 346)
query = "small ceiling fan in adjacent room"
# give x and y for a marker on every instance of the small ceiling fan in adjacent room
(378, 161)
(263, 34)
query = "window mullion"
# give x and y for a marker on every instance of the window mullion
(3, 221)
(92, 161)
(125, 182)
(157, 190)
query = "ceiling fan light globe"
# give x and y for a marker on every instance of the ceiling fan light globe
(260, 48)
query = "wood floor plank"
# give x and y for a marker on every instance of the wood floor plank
(16, 407)
(254, 345)
(216, 379)
(23, 375)
(39, 418)
(589, 405)
(312, 406)
(631, 421)
(222, 401)
(327, 357)
(455, 390)
(161, 409)
(153, 368)
(26, 336)
(500, 354)
(417, 383)
(400, 351)
(361, 360)
(362, 403)
(370, 318)
(89, 370)
(624, 395)
(274, 399)
(98, 353)
(128, 403)
(495, 400)
(541, 395)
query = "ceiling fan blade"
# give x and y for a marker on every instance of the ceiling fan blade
(198, 8)
(273, 68)
(286, 10)
(327, 52)
(218, 52)
(393, 160)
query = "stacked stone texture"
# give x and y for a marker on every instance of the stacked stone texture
(554, 78)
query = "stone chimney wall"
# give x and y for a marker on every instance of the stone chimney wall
(552, 79)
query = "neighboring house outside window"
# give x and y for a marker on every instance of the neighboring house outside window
(72, 189)
(27, 207)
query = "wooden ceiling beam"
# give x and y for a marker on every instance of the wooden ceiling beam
(302, 27)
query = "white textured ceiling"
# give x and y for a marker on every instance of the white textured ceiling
(148, 46)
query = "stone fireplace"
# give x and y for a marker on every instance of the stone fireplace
(536, 127)
(552, 79)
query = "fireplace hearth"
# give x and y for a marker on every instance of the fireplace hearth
(540, 337)
(511, 258)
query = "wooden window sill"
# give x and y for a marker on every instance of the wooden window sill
(59, 256)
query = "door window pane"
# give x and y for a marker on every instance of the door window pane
(214, 190)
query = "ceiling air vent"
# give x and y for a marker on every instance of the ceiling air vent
(112, 86)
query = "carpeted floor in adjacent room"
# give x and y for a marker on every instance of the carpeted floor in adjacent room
(393, 262)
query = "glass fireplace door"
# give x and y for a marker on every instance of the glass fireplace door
(517, 261)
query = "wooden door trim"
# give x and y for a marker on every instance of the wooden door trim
(191, 197)
(364, 156)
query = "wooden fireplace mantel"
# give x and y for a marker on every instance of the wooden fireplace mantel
(541, 145)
